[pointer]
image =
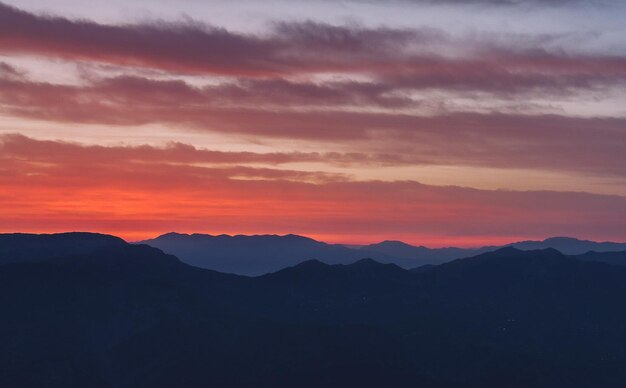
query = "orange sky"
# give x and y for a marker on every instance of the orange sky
(346, 132)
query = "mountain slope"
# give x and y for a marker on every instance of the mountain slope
(257, 255)
(21, 247)
(131, 315)
(421, 255)
(613, 258)
(570, 246)
(424, 255)
(135, 317)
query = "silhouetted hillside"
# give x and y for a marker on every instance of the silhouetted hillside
(261, 254)
(422, 255)
(613, 258)
(21, 247)
(125, 315)
(570, 246)
(256, 255)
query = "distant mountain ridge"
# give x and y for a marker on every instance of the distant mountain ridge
(259, 254)
(570, 246)
(421, 254)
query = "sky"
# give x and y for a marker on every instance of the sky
(437, 123)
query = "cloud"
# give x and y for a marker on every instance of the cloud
(20, 147)
(8, 72)
(587, 145)
(365, 92)
(397, 58)
(132, 192)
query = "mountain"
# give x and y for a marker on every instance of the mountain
(125, 315)
(132, 316)
(258, 254)
(613, 258)
(21, 247)
(261, 254)
(422, 255)
(570, 246)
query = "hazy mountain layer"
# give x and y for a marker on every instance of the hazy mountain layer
(260, 254)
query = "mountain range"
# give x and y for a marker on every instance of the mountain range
(91, 310)
(260, 254)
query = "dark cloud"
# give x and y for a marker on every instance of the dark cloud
(533, 141)
(402, 57)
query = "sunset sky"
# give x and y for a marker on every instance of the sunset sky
(440, 123)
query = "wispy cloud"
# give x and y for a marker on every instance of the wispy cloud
(533, 141)
(411, 58)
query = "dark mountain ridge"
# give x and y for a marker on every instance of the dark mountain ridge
(22, 247)
(125, 315)
(613, 258)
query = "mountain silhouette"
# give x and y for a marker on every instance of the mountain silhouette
(570, 246)
(422, 255)
(122, 315)
(261, 254)
(21, 247)
(613, 258)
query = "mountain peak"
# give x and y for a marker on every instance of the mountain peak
(305, 268)
(392, 242)
(373, 266)
(174, 235)
(370, 263)
(396, 244)
(23, 247)
(63, 235)
(563, 238)
(570, 245)
(366, 261)
(312, 263)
